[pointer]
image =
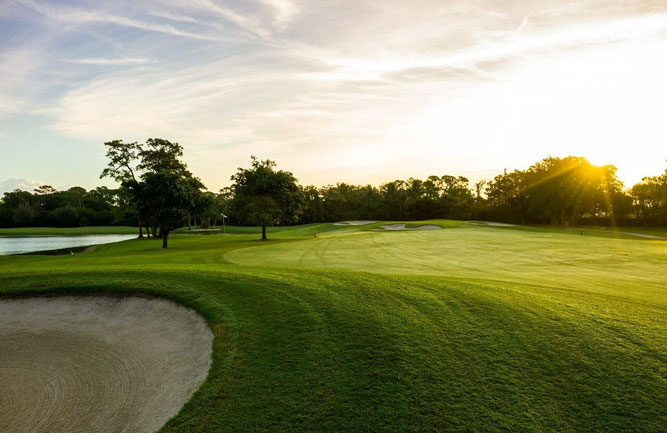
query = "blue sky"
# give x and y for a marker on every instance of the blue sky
(357, 91)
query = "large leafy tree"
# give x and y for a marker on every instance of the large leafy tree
(150, 171)
(265, 196)
(564, 189)
(168, 196)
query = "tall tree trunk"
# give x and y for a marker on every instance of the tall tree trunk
(141, 229)
(189, 223)
(165, 237)
(263, 232)
(154, 229)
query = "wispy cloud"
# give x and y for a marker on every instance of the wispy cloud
(111, 61)
(174, 17)
(344, 86)
(76, 15)
(16, 67)
(285, 10)
(248, 24)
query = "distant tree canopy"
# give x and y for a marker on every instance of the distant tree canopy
(436, 197)
(70, 208)
(264, 196)
(157, 191)
(563, 191)
(650, 200)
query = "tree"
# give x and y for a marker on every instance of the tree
(394, 198)
(565, 189)
(313, 209)
(23, 214)
(122, 161)
(67, 216)
(264, 196)
(161, 155)
(123, 169)
(507, 198)
(168, 196)
(130, 163)
(456, 196)
(650, 200)
(44, 190)
(202, 203)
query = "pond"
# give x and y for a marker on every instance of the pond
(30, 244)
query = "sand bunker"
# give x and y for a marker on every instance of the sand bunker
(639, 235)
(402, 227)
(354, 223)
(98, 364)
(490, 223)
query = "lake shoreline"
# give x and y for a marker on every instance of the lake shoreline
(56, 244)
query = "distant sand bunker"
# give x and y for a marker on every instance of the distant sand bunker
(98, 364)
(354, 223)
(391, 227)
(490, 223)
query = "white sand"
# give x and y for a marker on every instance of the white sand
(644, 235)
(98, 364)
(354, 223)
(639, 235)
(391, 227)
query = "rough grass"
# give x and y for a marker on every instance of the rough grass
(479, 329)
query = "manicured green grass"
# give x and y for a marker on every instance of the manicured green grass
(468, 328)
(46, 231)
(653, 231)
(607, 232)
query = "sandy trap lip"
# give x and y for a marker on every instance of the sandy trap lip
(98, 363)
(354, 223)
(392, 227)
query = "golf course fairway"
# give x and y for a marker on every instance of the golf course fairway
(470, 328)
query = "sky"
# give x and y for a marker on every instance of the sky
(361, 91)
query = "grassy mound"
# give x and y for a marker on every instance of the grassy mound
(468, 328)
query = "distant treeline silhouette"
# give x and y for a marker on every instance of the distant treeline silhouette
(560, 191)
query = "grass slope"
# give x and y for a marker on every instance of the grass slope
(468, 328)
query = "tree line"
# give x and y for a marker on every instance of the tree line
(158, 194)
